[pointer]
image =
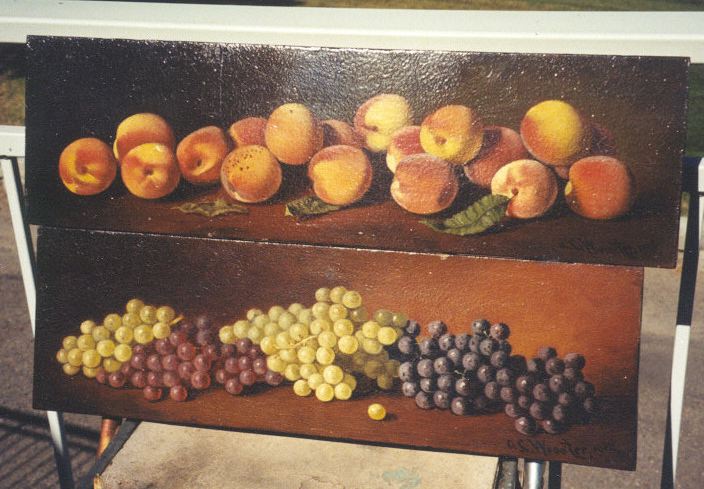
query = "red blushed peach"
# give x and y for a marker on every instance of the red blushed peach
(150, 171)
(293, 134)
(87, 166)
(453, 133)
(200, 155)
(600, 187)
(555, 133)
(404, 142)
(500, 146)
(341, 175)
(381, 116)
(139, 129)
(251, 174)
(531, 186)
(424, 184)
(249, 130)
(338, 132)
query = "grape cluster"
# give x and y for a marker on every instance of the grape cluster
(551, 393)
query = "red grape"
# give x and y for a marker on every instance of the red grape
(202, 363)
(177, 337)
(185, 370)
(101, 375)
(200, 380)
(233, 386)
(170, 379)
(222, 375)
(227, 351)
(244, 363)
(259, 366)
(186, 351)
(138, 360)
(178, 393)
(163, 346)
(247, 377)
(254, 352)
(138, 350)
(152, 393)
(202, 322)
(273, 378)
(154, 379)
(211, 351)
(154, 362)
(243, 345)
(170, 362)
(116, 379)
(205, 337)
(139, 379)
(232, 365)
(126, 369)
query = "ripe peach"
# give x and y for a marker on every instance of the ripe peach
(531, 186)
(379, 117)
(139, 129)
(249, 130)
(424, 184)
(150, 171)
(338, 132)
(453, 133)
(341, 174)
(404, 142)
(500, 146)
(600, 187)
(200, 155)
(555, 132)
(87, 166)
(251, 174)
(293, 134)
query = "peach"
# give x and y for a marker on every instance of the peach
(293, 134)
(87, 166)
(500, 146)
(531, 186)
(555, 133)
(404, 142)
(424, 184)
(341, 174)
(200, 155)
(139, 129)
(249, 130)
(338, 132)
(150, 171)
(381, 116)
(453, 133)
(562, 171)
(251, 174)
(600, 187)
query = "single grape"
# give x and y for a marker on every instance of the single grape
(272, 378)
(252, 313)
(486, 373)
(241, 327)
(552, 426)
(177, 337)
(446, 383)
(350, 380)
(464, 386)
(152, 393)
(178, 393)
(541, 392)
(539, 410)
(505, 346)
(514, 411)
(134, 305)
(410, 389)
(243, 362)
(480, 327)
(499, 359)
(441, 399)
(143, 334)
(161, 330)
(385, 381)
(487, 347)
(557, 384)
(412, 328)
(566, 399)
(407, 372)
(305, 316)
(138, 360)
(428, 384)
(90, 358)
(170, 379)
(116, 380)
(492, 390)
(525, 384)
(205, 337)
(359, 315)
(446, 342)
(126, 369)
(70, 369)
(275, 312)
(99, 333)
(324, 356)
(342, 391)
(572, 375)
(371, 346)
(170, 362)
(370, 329)
(575, 360)
(442, 365)
(387, 336)
(508, 394)
(286, 320)
(62, 356)
(372, 368)
(315, 380)
(88, 372)
(518, 364)
(384, 317)
(164, 347)
(187, 327)
(471, 361)
(333, 375)
(112, 321)
(424, 400)
(376, 411)
(123, 334)
(105, 348)
(325, 392)
(474, 342)
(524, 401)
(101, 375)
(348, 344)
(275, 364)
(425, 368)
(295, 308)
(154, 362)
(437, 329)
(460, 406)
(554, 366)
(545, 353)
(499, 331)
(138, 379)
(560, 413)
(255, 334)
(301, 388)
(243, 345)
(337, 293)
(504, 377)
(482, 403)
(343, 327)
(590, 405)
(111, 365)
(536, 366)
(85, 342)
(407, 345)
(221, 376)
(352, 299)
(582, 390)
(147, 314)
(291, 373)
(429, 347)
(200, 380)
(122, 353)
(87, 326)
(455, 357)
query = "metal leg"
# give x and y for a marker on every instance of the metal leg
(13, 188)
(555, 475)
(533, 474)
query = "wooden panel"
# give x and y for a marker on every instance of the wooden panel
(590, 309)
(83, 87)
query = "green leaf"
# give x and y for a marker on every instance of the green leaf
(309, 206)
(212, 209)
(477, 218)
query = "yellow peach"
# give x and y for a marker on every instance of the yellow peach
(404, 142)
(531, 186)
(150, 171)
(424, 184)
(87, 166)
(453, 133)
(341, 174)
(381, 116)
(139, 129)
(293, 134)
(200, 155)
(251, 174)
(555, 133)
(249, 130)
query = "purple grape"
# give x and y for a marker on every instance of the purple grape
(499, 331)
(462, 342)
(545, 353)
(504, 377)
(508, 394)
(539, 410)
(524, 401)
(491, 390)
(205, 337)
(437, 329)
(429, 347)
(480, 327)
(412, 328)
(272, 378)
(566, 399)
(573, 375)
(410, 389)
(233, 386)
(582, 390)
(486, 373)
(441, 399)
(202, 322)
(518, 364)
(590, 405)
(464, 387)
(474, 343)
(536, 366)
(425, 368)
(407, 345)
(554, 366)
(407, 372)
(525, 384)
(487, 347)
(429, 385)
(557, 384)
(504, 345)
(575, 360)
(541, 392)
(560, 413)
(446, 382)
(247, 377)
(442, 365)
(455, 356)
(424, 400)
(552, 426)
(446, 342)
(525, 425)
(499, 359)
(460, 406)
(515, 411)
(471, 361)
(482, 403)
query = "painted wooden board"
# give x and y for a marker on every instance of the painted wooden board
(594, 310)
(632, 108)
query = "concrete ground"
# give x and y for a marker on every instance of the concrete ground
(26, 458)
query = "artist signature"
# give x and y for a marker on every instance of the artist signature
(613, 247)
(563, 447)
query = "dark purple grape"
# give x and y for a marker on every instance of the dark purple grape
(525, 384)
(424, 400)
(442, 365)
(541, 392)
(202, 363)
(499, 359)
(474, 343)
(464, 387)
(428, 385)
(524, 401)
(425, 368)
(499, 331)
(247, 377)
(514, 411)
(582, 390)
(138, 379)
(504, 377)
(460, 406)
(170, 379)
(227, 351)
(259, 366)
(487, 347)
(407, 345)
(554, 366)
(244, 363)
(480, 327)
(503, 345)
(200, 380)
(117, 379)
(410, 389)
(462, 342)
(407, 372)
(471, 361)
(177, 337)
(491, 390)
(185, 370)
(221, 375)
(518, 364)
(154, 363)
(205, 337)
(486, 373)
(446, 342)
(164, 347)
(170, 362)
(211, 351)
(232, 365)
(573, 375)
(560, 413)
(557, 384)
(437, 328)
(272, 378)
(233, 386)
(552, 426)
(412, 328)
(566, 399)
(536, 366)
(186, 351)
(441, 399)
(539, 410)
(455, 356)
(446, 382)
(178, 393)
(545, 353)
(575, 360)
(202, 322)
(154, 379)
(589, 405)
(429, 347)
(482, 403)
(508, 394)
(152, 393)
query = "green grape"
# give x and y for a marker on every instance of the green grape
(305, 316)
(371, 346)
(333, 375)
(337, 293)
(283, 340)
(89, 373)
(268, 346)
(70, 369)
(271, 329)
(370, 329)
(391, 368)
(100, 333)
(131, 319)
(352, 299)
(148, 314)
(112, 321)
(315, 380)
(298, 331)
(75, 357)
(255, 334)
(161, 330)
(306, 354)
(134, 305)
(307, 369)
(325, 392)
(348, 344)
(322, 294)
(62, 356)
(359, 335)
(359, 315)
(301, 388)
(383, 317)
(385, 381)
(343, 327)
(85, 342)
(240, 328)
(252, 313)
(275, 363)
(337, 311)
(275, 312)
(324, 356)
(87, 326)
(295, 308)
(292, 372)
(317, 326)
(288, 355)
(320, 310)
(69, 343)
(286, 320)
(373, 368)
(342, 391)
(311, 342)
(350, 380)
(399, 320)
(261, 321)
(376, 411)
(165, 314)
(327, 339)
(227, 335)
(387, 335)
(359, 359)
(122, 352)
(111, 365)
(105, 348)
(143, 334)
(91, 358)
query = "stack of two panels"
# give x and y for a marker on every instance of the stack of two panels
(531, 196)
